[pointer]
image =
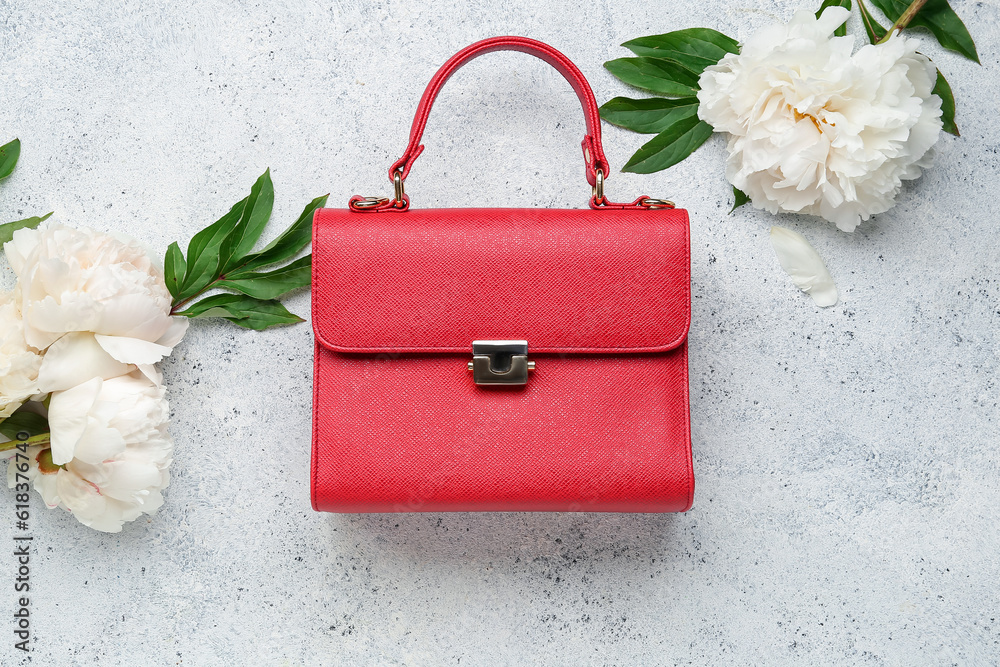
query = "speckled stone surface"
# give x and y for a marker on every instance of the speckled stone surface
(848, 496)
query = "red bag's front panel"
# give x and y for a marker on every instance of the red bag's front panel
(412, 432)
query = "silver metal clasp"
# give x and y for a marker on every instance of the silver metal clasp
(500, 362)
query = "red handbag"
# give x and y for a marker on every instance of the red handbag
(502, 359)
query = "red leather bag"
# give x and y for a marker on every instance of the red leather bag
(502, 359)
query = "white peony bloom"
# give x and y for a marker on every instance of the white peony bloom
(19, 363)
(80, 280)
(814, 129)
(114, 433)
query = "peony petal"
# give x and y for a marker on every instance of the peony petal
(98, 442)
(74, 359)
(139, 315)
(178, 327)
(152, 373)
(831, 19)
(90, 508)
(806, 268)
(132, 350)
(131, 480)
(69, 417)
(20, 247)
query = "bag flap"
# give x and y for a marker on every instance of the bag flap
(434, 280)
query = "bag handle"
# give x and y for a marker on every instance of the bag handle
(597, 167)
(593, 152)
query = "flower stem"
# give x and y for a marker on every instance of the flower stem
(904, 19)
(175, 308)
(40, 439)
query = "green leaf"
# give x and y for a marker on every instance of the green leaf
(9, 153)
(247, 231)
(938, 17)
(23, 422)
(291, 241)
(203, 260)
(943, 90)
(656, 75)
(272, 284)
(874, 31)
(842, 30)
(741, 198)
(670, 146)
(243, 310)
(648, 116)
(694, 48)
(174, 268)
(7, 230)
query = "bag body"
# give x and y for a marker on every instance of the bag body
(501, 359)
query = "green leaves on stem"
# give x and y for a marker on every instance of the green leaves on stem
(674, 121)
(221, 256)
(243, 310)
(669, 65)
(670, 146)
(656, 75)
(694, 48)
(648, 116)
(271, 284)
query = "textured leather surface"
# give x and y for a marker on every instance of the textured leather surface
(404, 433)
(593, 152)
(564, 280)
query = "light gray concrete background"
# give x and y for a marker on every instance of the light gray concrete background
(846, 459)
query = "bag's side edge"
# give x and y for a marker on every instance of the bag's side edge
(314, 462)
(687, 422)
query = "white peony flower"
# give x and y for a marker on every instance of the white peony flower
(814, 129)
(19, 363)
(110, 452)
(80, 280)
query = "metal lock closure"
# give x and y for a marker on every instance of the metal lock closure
(500, 362)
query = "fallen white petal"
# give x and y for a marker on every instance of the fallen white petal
(806, 268)
(132, 350)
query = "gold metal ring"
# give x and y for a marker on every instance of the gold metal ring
(397, 182)
(369, 202)
(649, 202)
(599, 186)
